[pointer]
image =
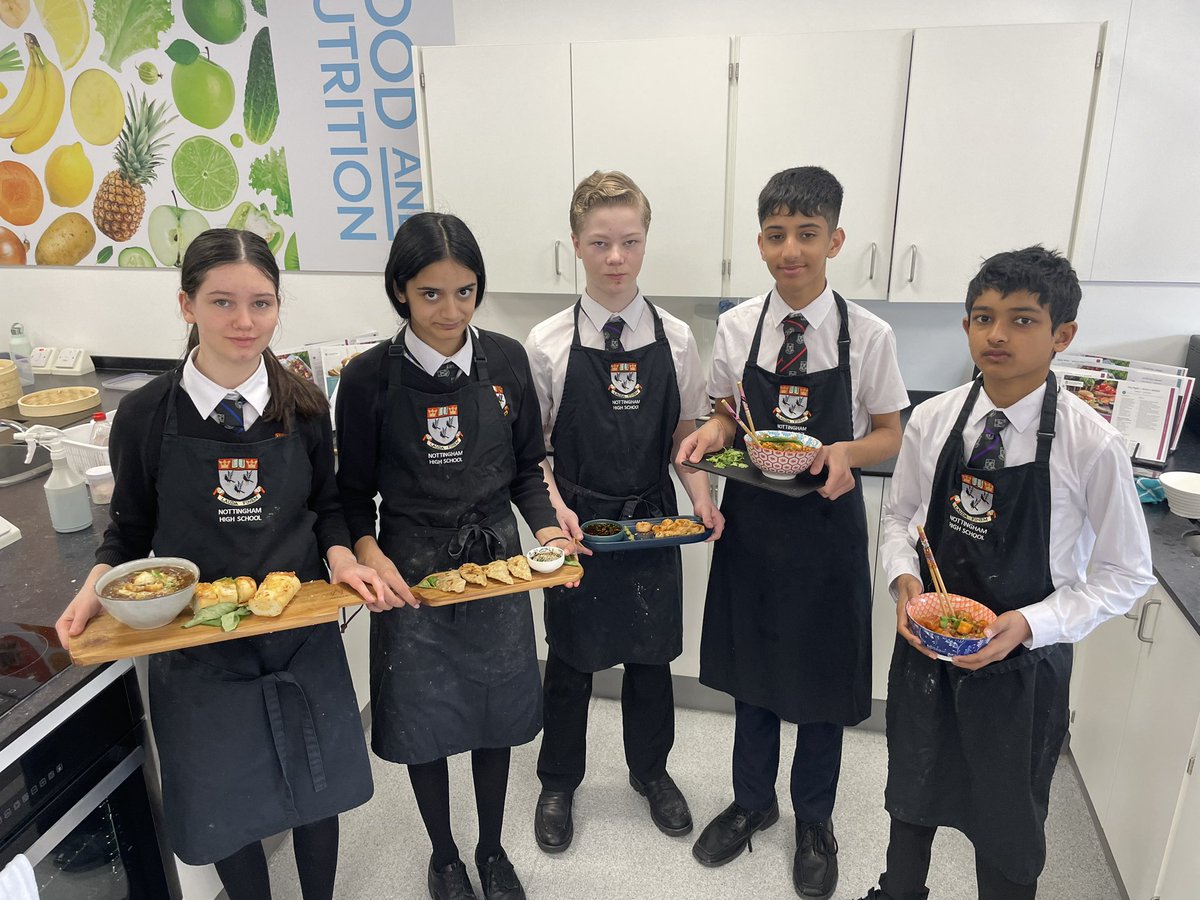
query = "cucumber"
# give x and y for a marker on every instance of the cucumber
(135, 258)
(260, 106)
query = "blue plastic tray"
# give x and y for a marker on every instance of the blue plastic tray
(646, 541)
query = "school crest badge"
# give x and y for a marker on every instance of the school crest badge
(441, 427)
(793, 404)
(499, 389)
(237, 482)
(974, 500)
(623, 380)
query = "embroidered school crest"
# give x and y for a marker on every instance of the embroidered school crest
(499, 389)
(623, 380)
(237, 482)
(793, 404)
(974, 500)
(441, 427)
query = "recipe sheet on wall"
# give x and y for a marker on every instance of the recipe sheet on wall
(127, 127)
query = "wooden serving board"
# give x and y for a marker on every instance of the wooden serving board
(434, 597)
(105, 639)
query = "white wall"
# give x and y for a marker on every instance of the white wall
(133, 313)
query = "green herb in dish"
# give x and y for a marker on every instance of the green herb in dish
(728, 459)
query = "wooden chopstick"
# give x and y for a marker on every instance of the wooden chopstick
(749, 433)
(746, 406)
(938, 584)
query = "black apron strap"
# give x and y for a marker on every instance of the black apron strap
(398, 348)
(630, 502)
(468, 535)
(316, 766)
(752, 356)
(1046, 424)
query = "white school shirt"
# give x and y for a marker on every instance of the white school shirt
(206, 393)
(878, 385)
(431, 360)
(1095, 516)
(549, 347)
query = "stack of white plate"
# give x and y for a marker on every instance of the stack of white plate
(1183, 493)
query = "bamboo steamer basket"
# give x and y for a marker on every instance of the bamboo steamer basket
(58, 401)
(10, 383)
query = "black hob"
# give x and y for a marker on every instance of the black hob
(30, 655)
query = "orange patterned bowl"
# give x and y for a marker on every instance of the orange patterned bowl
(780, 462)
(924, 610)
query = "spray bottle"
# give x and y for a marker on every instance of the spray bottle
(66, 493)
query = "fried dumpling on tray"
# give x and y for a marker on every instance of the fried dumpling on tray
(498, 571)
(473, 573)
(519, 567)
(451, 581)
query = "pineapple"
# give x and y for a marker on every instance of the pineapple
(120, 200)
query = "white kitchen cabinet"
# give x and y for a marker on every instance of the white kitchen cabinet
(666, 129)
(1181, 871)
(834, 100)
(994, 142)
(496, 133)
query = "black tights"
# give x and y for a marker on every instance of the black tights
(431, 785)
(244, 873)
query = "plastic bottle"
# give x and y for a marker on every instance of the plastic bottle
(19, 349)
(66, 493)
(98, 437)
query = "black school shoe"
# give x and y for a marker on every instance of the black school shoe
(450, 883)
(668, 809)
(880, 894)
(815, 868)
(498, 879)
(553, 827)
(726, 836)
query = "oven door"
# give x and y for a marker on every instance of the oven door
(97, 841)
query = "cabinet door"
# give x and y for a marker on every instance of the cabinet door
(657, 110)
(1101, 687)
(993, 147)
(1181, 870)
(498, 130)
(834, 100)
(1163, 712)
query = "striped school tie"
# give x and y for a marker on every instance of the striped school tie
(793, 354)
(448, 374)
(230, 412)
(612, 334)
(989, 448)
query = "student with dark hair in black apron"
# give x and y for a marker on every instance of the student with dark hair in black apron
(1029, 484)
(227, 461)
(619, 383)
(787, 615)
(442, 422)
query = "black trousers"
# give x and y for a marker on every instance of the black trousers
(647, 714)
(908, 855)
(815, 766)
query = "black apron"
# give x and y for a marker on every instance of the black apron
(787, 620)
(259, 734)
(449, 679)
(612, 448)
(976, 750)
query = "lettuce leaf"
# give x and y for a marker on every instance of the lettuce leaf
(128, 26)
(269, 173)
(260, 6)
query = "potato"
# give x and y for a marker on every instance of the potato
(67, 240)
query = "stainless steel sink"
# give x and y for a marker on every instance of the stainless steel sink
(13, 469)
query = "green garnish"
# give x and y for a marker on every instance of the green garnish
(572, 561)
(10, 59)
(728, 459)
(429, 582)
(211, 615)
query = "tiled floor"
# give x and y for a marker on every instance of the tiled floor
(619, 855)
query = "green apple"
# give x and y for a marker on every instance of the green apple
(259, 221)
(171, 230)
(218, 21)
(202, 90)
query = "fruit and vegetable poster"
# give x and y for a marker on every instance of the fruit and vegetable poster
(127, 127)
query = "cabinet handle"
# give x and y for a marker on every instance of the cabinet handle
(557, 267)
(1142, 624)
(874, 250)
(912, 265)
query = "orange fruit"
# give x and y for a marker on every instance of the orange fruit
(21, 194)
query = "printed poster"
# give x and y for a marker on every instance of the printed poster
(127, 127)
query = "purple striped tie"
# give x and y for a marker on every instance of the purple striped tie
(989, 448)
(612, 334)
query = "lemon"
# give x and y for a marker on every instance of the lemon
(205, 173)
(97, 107)
(68, 23)
(69, 176)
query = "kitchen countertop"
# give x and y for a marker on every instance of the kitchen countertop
(41, 572)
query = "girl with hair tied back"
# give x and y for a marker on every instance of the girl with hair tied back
(260, 734)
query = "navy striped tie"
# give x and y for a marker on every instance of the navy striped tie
(612, 334)
(793, 354)
(989, 448)
(230, 413)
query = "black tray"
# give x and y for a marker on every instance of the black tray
(800, 486)
(645, 541)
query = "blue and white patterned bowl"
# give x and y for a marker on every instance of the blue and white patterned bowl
(929, 606)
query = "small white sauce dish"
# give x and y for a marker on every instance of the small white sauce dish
(545, 565)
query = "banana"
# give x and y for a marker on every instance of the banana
(49, 113)
(21, 115)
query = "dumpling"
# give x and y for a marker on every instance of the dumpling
(498, 571)
(451, 582)
(519, 567)
(473, 572)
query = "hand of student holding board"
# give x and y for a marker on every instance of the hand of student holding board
(554, 536)
(345, 569)
(907, 587)
(568, 521)
(83, 607)
(839, 479)
(710, 437)
(1009, 629)
(395, 592)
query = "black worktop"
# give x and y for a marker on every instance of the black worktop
(40, 573)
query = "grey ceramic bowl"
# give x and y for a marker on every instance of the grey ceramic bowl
(157, 611)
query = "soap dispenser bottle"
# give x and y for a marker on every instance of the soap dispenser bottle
(66, 492)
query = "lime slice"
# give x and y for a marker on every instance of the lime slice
(205, 173)
(68, 23)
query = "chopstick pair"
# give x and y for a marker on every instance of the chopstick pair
(750, 430)
(736, 418)
(938, 584)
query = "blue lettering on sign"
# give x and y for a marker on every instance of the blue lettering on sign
(405, 93)
(363, 213)
(407, 162)
(388, 21)
(328, 17)
(377, 64)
